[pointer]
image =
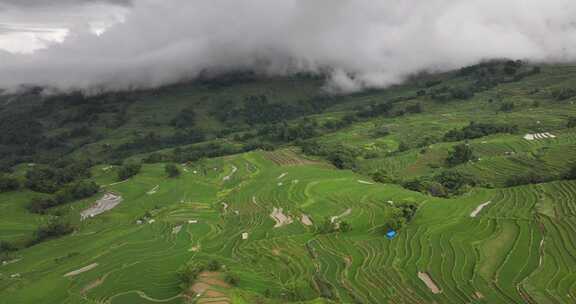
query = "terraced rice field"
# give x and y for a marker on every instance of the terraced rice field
(520, 248)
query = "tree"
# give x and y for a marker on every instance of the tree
(571, 122)
(326, 227)
(185, 119)
(214, 265)
(344, 226)
(128, 170)
(383, 177)
(172, 170)
(415, 108)
(8, 183)
(507, 106)
(571, 173)
(460, 154)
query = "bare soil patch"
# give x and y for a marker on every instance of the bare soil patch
(210, 288)
(280, 218)
(108, 202)
(479, 208)
(425, 277)
(305, 219)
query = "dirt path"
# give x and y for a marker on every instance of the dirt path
(365, 182)
(425, 277)
(234, 169)
(94, 284)
(153, 190)
(108, 202)
(479, 208)
(81, 270)
(280, 218)
(345, 213)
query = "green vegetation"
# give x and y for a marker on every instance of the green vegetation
(247, 190)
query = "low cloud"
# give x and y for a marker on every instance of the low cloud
(360, 44)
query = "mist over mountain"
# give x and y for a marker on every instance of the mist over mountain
(358, 44)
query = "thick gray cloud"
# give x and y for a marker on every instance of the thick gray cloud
(53, 3)
(361, 43)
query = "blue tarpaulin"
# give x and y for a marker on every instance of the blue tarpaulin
(391, 234)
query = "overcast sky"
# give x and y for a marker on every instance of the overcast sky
(118, 44)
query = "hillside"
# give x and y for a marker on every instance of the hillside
(456, 187)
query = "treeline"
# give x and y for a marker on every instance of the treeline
(69, 193)
(55, 228)
(447, 184)
(200, 151)
(259, 110)
(538, 178)
(152, 142)
(483, 76)
(50, 178)
(476, 130)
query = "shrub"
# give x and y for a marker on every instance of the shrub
(571, 122)
(8, 183)
(213, 265)
(571, 173)
(507, 106)
(383, 177)
(231, 279)
(415, 108)
(172, 170)
(188, 275)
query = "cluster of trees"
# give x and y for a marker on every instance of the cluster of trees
(446, 184)
(341, 156)
(154, 142)
(185, 119)
(69, 193)
(446, 93)
(507, 106)
(50, 178)
(283, 132)
(563, 94)
(200, 151)
(477, 130)
(460, 154)
(54, 229)
(329, 226)
(128, 170)
(538, 178)
(401, 215)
